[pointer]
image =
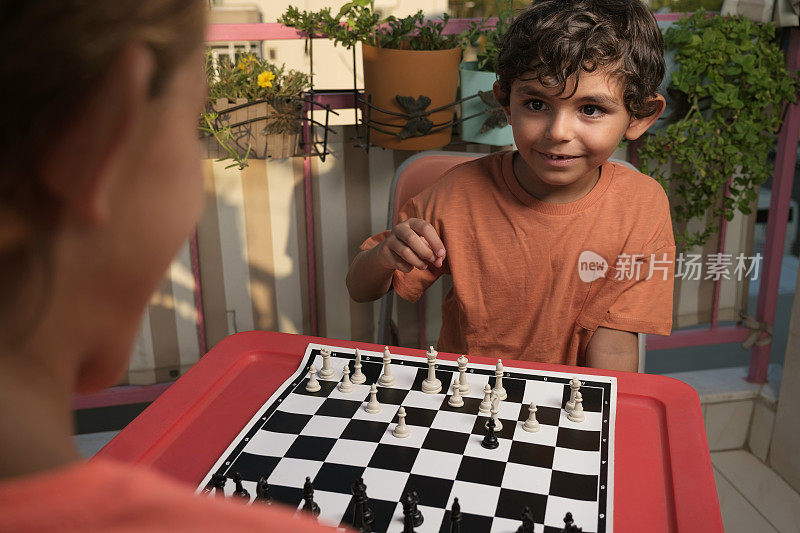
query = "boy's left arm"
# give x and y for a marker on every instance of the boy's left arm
(612, 349)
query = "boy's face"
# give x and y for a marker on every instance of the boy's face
(562, 141)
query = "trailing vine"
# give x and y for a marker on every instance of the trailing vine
(358, 21)
(729, 89)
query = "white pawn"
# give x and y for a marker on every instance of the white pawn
(401, 430)
(386, 379)
(327, 370)
(574, 386)
(498, 426)
(498, 383)
(456, 400)
(358, 377)
(576, 415)
(531, 425)
(373, 406)
(313, 385)
(462, 374)
(345, 385)
(486, 404)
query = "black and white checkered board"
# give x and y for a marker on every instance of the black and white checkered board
(327, 435)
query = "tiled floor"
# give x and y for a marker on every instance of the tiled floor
(752, 497)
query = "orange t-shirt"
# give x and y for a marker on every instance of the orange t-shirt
(518, 264)
(107, 496)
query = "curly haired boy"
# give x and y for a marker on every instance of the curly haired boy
(556, 254)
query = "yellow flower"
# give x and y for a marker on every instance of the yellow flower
(244, 62)
(265, 79)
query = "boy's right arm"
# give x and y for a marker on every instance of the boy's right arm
(411, 244)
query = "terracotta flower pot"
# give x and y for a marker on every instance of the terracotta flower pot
(389, 73)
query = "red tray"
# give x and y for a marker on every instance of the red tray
(663, 479)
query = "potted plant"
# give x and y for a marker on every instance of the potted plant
(410, 70)
(254, 109)
(483, 120)
(729, 89)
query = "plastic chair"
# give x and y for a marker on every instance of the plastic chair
(413, 176)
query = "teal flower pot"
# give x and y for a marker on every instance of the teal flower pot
(472, 81)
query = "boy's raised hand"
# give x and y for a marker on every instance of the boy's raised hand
(411, 244)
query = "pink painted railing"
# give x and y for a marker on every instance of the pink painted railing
(773, 255)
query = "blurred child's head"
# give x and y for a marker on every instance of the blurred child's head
(101, 180)
(559, 49)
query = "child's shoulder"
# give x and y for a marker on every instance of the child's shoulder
(635, 189)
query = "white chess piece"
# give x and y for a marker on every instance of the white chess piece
(576, 415)
(386, 379)
(498, 384)
(462, 374)
(312, 385)
(531, 425)
(401, 430)
(486, 404)
(345, 385)
(574, 386)
(373, 406)
(327, 370)
(431, 385)
(358, 377)
(456, 400)
(498, 426)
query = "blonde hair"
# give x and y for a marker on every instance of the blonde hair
(55, 52)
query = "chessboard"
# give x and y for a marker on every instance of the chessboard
(329, 437)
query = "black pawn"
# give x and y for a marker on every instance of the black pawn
(569, 525)
(240, 491)
(310, 505)
(262, 491)
(527, 521)
(490, 440)
(455, 517)
(408, 514)
(418, 518)
(218, 481)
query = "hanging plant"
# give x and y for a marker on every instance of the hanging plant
(729, 90)
(274, 90)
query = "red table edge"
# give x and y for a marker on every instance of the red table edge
(173, 410)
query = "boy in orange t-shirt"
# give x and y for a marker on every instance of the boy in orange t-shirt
(556, 254)
(101, 185)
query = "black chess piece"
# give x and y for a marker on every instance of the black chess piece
(218, 481)
(490, 440)
(262, 491)
(240, 491)
(418, 518)
(408, 513)
(362, 514)
(527, 521)
(455, 517)
(569, 525)
(310, 506)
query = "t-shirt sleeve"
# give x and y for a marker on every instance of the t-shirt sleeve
(645, 306)
(410, 286)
